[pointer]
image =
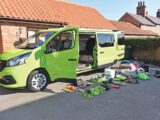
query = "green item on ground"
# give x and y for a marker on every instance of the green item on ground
(106, 85)
(94, 92)
(148, 73)
(120, 77)
(117, 79)
(115, 82)
(142, 76)
(99, 80)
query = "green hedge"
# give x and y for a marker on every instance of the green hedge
(143, 42)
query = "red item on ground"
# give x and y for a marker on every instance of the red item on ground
(116, 86)
(70, 87)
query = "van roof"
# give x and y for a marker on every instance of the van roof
(94, 30)
(83, 30)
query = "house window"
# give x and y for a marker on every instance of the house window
(106, 40)
(31, 31)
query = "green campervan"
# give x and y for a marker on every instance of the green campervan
(59, 54)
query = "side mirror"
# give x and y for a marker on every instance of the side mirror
(46, 52)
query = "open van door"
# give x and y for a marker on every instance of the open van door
(106, 49)
(62, 53)
(120, 45)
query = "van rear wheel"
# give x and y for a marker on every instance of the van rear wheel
(37, 80)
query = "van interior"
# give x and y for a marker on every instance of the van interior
(87, 43)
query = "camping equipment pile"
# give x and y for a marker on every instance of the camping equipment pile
(115, 77)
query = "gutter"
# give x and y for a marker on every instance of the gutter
(29, 21)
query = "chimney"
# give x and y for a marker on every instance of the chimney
(158, 13)
(142, 9)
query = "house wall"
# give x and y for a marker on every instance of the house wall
(1, 46)
(155, 29)
(128, 18)
(158, 29)
(11, 34)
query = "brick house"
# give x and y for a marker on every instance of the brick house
(142, 19)
(22, 18)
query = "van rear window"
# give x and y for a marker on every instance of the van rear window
(121, 39)
(106, 40)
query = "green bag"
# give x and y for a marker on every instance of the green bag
(120, 77)
(142, 76)
(99, 80)
(94, 92)
(115, 82)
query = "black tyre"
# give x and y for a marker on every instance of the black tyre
(37, 80)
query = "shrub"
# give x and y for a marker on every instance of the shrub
(146, 42)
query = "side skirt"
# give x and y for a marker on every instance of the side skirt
(67, 80)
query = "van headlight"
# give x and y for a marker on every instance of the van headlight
(19, 60)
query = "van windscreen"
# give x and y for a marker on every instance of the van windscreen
(35, 40)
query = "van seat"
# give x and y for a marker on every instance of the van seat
(86, 59)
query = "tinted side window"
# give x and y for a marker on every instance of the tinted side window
(106, 40)
(121, 39)
(63, 41)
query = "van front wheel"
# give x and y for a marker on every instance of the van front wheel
(37, 81)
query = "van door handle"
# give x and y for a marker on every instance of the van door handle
(120, 54)
(72, 59)
(101, 52)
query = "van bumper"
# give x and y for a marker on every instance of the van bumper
(7, 80)
(14, 77)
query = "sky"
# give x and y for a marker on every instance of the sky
(114, 9)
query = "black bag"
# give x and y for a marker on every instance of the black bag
(145, 67)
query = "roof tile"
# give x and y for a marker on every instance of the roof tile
(53, 11)
(155, 20)
(130, 29)
(141, 19)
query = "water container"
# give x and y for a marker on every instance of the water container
(110, 72)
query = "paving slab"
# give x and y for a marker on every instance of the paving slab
(132, 102)
(15, 97)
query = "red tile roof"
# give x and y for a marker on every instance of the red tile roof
(130, 29)
(54, 11)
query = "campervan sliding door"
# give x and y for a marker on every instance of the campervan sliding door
(106, 48)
